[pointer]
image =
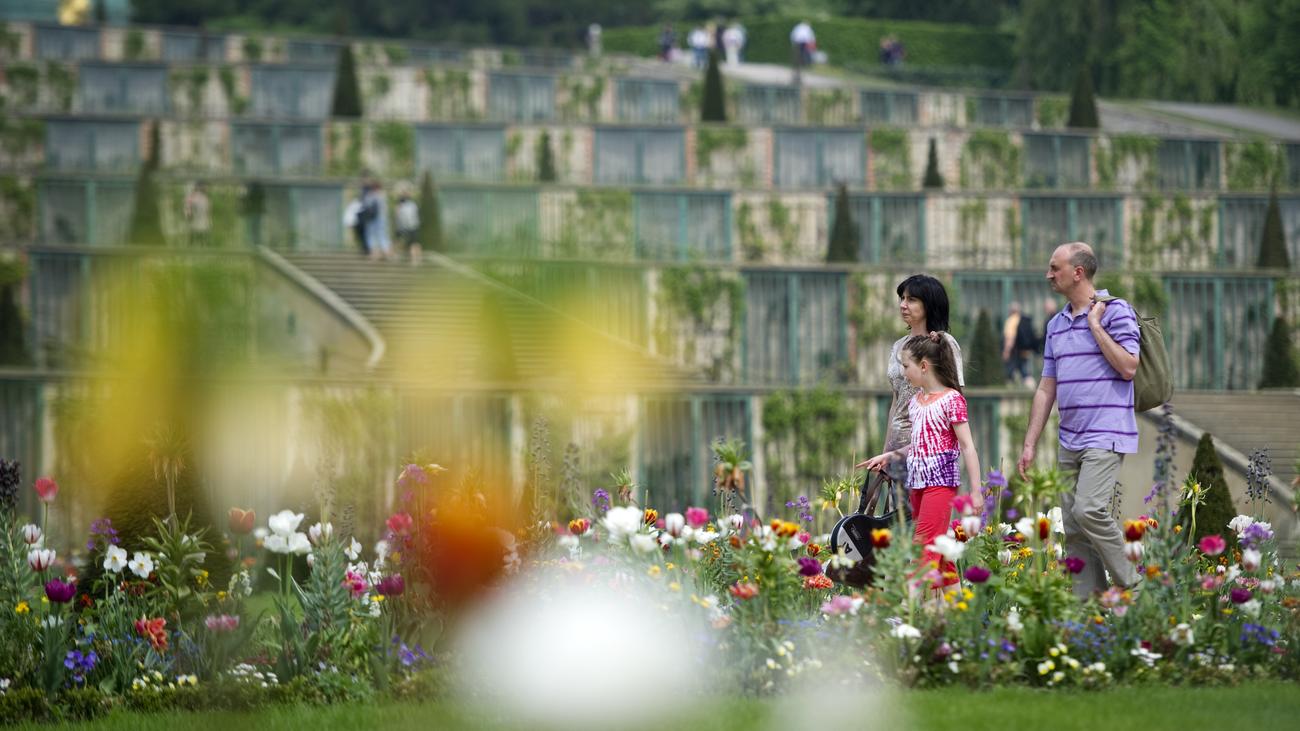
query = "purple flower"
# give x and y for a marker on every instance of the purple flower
(393, 585)
(80, 664)
(978, 574)
(804, 507)
(995, 478)
(102, 530)
(1074, 564)
(409, 656)
(413, 475)
(1239, 595)
(1012, 513)
(1254, 534)
(60, 592)
(809, 566)
(600, 500)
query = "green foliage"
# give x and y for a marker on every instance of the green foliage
(252, 49)
(1254, 165)
(62, 82)
(809, 434)
(24, 81)
(1122, 148)
(713, 108)
(990, 161)
(431, 237)
(701, 296)
(18, 200)
(146, 219)
(396, 54)
(1272, 246)
(347, 93)
(1051, 111)
(581, 99)
(829, 106)
(1142, 290)
(891, 159)
(933, 178)
(449, 93)
(1083, 102)
(1213, 515)
(398, 138)
(1280, 366)
(709, 139)
(984, 365)
(134, 48)
(545, 159)
(843, 247)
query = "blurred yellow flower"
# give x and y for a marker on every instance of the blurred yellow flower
(22, 608)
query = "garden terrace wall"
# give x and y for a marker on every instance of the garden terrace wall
(884, 159)
(1147, 232)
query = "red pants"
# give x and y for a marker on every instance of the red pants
(932, 511)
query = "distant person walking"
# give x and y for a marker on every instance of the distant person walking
(1019, 341)
(802, 43)
(593, 40)
(374, 212)
(667, 43)
(352, 221)
(198, 215)
(699, 42)
(407, 219)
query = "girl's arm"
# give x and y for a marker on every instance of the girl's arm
(972, 460)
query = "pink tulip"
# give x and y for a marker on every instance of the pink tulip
(1213, 545)
(697, 517)
(46, 489)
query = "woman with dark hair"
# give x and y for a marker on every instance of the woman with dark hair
(923, 305)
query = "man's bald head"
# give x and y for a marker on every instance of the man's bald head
(1079, 254)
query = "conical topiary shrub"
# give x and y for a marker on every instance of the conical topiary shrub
(844, 233)
(933, 178)
(984, 366)
(1083, 102)
(713, 107)
(13, 346)
(146, 221)
(347, 94)
(545, 159)
(430, 217)
(1280, 369)
(1272, 244)
(1213, 515)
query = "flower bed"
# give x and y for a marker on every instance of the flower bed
(340, 622)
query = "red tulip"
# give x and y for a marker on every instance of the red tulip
(241, 521)
(46, 489)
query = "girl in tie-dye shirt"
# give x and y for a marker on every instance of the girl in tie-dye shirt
(941, 439)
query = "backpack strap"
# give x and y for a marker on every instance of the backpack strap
(871, 492)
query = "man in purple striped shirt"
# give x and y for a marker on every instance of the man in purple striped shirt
(1089, 359)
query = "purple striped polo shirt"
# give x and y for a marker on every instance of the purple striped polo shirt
(1095, 403)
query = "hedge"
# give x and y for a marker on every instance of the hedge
(847, 40)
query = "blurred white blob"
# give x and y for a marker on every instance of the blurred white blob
(562, 649)
(829, 685)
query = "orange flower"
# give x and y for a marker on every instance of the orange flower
(743, 591)
(880, 537)
(734, 540)
(651, 516)
(579, 526)
(1134, 529)
(814, 549)
(1153, 571)
(1044, 528)
(785, 528)
(820, 581)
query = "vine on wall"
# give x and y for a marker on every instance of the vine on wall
(990, 161)
(694, 302)
(809, 435)
(1139, 150)
(891, 159)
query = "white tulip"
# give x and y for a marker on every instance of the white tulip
(31, 534)
(1133, 551)
(971, 524)
(1027, 527)
(674, 523)
(1004, 557)
(276, 544)
(284, 523)
(319, 532)
(948, 547)
(906, 632)
(40, 559)
(1240, 523)
(644, 543)
(353, 551)
(299, 544)
(1250, 559)
(622, 522)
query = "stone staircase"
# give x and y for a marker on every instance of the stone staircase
(1248, 421)
(444, 319)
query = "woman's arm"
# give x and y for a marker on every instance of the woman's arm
(972, 460)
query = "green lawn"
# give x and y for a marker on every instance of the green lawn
(1257, 706)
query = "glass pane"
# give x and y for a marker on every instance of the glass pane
(901, 239)
(662, 156)
(658, 225)
(1172, 169)
(644, 100)
(842, 157)
(277, 221)
(768, 104)
(1247, 317)
(279, 92)
(616, 156)
(1293, 165)
(516, 97)
(318, 217)
(821, 326)
(1096, 221)
(436, 151)
(1040, 162)
(1190, 332)
(502, 222)
(114, 203)
(117, 146)
(122, 89)
(767, 328)
(313, 51)
(63, 212)
(1046, 224)
(888, 107)
(252, 149)
(863, 209)
(706, 226)
(300, 152)
(193, 47)
(1072, 167)
(483, 153)
(1205, 165)
(67, 44)
(1020, 113)
(796, 159)
(667, 444)
(69, 146)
